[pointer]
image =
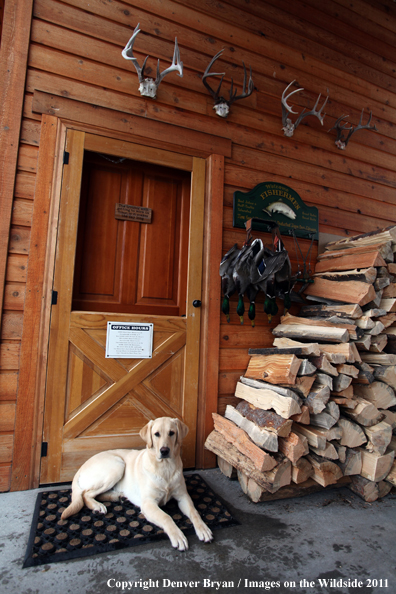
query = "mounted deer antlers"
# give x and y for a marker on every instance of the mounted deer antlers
(222, 106)
(342, 140)
(288, 125)
(148, 87)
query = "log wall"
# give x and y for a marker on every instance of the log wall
(338, 48)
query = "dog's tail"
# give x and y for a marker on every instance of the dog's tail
(76, 504)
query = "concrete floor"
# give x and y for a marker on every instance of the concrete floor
(283, 547)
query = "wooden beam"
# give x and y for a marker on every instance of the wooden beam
(188, 141)
(30, 401)
(13, 63)
(211, 297)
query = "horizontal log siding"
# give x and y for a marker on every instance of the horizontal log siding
(336, 47)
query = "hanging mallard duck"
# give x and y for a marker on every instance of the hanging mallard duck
(227, 282)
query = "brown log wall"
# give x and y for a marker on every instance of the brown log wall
(340, 48)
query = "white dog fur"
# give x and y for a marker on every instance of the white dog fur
(148, 478)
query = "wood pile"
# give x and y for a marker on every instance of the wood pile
(319, 408)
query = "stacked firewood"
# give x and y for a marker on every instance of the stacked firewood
(319, 408)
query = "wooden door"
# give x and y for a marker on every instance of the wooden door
(94, 403)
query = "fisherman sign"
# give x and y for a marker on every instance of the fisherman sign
(275, 203)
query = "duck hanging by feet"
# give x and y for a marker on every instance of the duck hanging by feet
(241, 277)
(227, 282)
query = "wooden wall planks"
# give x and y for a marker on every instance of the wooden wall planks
(336, 47)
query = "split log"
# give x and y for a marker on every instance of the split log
(348, 352)
(328, 452)
(386, 374)
(353, 311)
(391, 268)
(334, 432)
(328, 417)
(226, 468)
(293, 446)
(352, 464)
(379, 358)
(364, 413)
(302, 470)
(375, 466)
(306, 348)
(379, 437)
(366, 489)
(267, 399)
(346, 369)
(298, 351)
(352, 434)
(379, 393)
(306, 368)
(388, 320)
(376, 329)
(376, 300)
(317, 398)
(392, 445)
(391, 476)
(381, 283)
(347, 393)
(322, 333)
(389, 417)
(388, 305)
(365, 374)
(290, 491)
(269, 480)
(261, 437)
(322, 379)
(283, 391)
(365, 275)
(383, 488)
(365, 239)
(341, 382)
(265, 419)
(303, 385)
(378, 343)
(374, 313)
(325, 472)
(277, 478)
(365, 323)
(314, 439)
(385, 248)
(241, 441)
(389, 291)
(364, 343)
(303, 417)
(344, 402)
(367, 260)
(290, 320)
(323, 364)
(341, 451)
(275, 369)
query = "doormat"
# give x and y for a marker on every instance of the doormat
(86, 533)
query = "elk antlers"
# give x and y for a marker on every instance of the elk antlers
(148, 87)
(222, 106)
(342, 140)
(288, 125)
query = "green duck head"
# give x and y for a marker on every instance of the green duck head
(252, 312)
(240, 308)
(225, 308)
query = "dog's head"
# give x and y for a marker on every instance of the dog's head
(164, 436)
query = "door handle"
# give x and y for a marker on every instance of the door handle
(197, 303)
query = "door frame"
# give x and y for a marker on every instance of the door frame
(30, 403)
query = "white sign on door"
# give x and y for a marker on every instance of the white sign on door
(129, 340)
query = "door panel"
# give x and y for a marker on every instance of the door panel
(94, 403)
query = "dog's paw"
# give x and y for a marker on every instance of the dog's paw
(178, 540)
(204, 533)
(99, 509)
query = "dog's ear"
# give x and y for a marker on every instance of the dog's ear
(182, 430)
(145, 434)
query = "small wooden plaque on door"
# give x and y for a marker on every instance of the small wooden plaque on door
(129, 212)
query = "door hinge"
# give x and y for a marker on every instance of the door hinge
(66, 158)
(54, 299)
(44, 449)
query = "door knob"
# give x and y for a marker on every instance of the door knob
(197, 303)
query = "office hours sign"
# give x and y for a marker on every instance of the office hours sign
(129, 340)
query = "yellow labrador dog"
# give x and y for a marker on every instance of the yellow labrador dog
(148, 478)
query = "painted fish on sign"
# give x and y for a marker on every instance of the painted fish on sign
(275, 203)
